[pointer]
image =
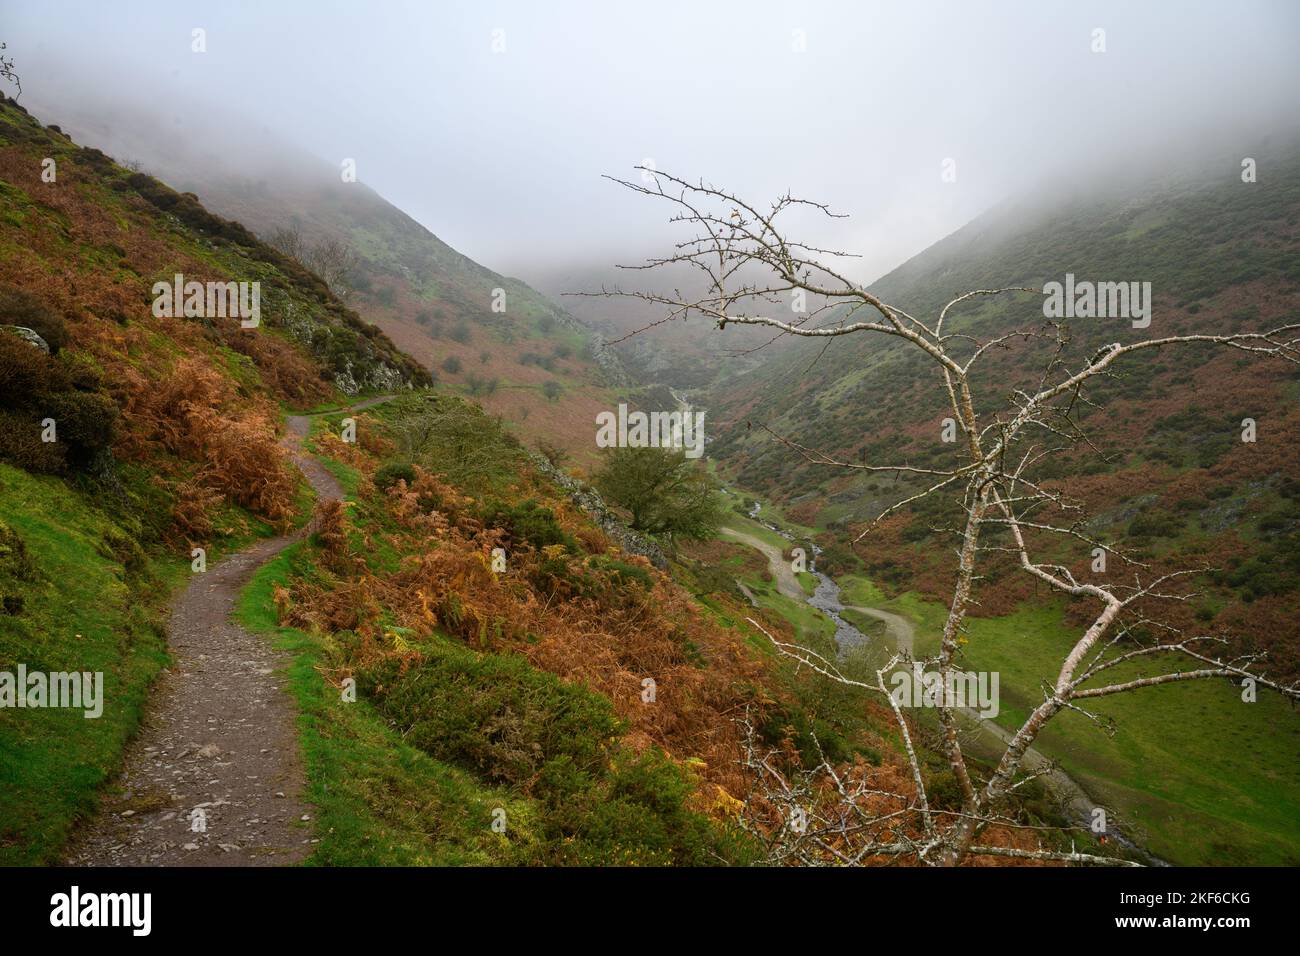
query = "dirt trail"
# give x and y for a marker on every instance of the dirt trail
(899, 628)
(786, 582)
(214, 776)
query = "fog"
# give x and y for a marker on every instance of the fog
(492, 123)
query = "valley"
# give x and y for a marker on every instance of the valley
(896, 641)
(442, 442)
(1170, 743)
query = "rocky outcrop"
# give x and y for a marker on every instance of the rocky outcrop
(590, 501)
(611, 366)
(28, 336)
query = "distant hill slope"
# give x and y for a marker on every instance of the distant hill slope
(87, 240)
(169, 420)
(676, 354)
(526, 359)
(1220, 255)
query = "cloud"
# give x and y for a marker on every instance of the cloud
(500, 152)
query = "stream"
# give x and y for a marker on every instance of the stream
(826, 598)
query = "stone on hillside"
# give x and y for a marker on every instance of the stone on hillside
(28, 336)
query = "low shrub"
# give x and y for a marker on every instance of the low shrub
(529, 522)
(622, 573)
(511, 723)
(35, 387)
(386, 476)
(514, 725)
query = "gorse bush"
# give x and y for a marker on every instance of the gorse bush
(386, 476)
(34, 388)
(514, 725)
(640, 815)
(528, 522)
(506, 720)
(621, 572)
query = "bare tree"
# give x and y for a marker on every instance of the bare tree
(8, 73)
(288, 239)
(751, 267)
(333, 261)
(330, 258)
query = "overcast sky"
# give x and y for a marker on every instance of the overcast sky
(501, 153)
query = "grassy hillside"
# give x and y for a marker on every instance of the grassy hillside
(519, 690)
(516, 691)
(165, 440)
(517, 353)
(1199, 776)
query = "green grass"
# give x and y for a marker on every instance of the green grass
(379, 801)
(870, 626)
(97, 603)
(764, 534)
(332, 406)
(1204, 778)
(85, 613)
(740, 522)
(1211, 780)
(347, 476)
(811, 626)
(860, 591)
